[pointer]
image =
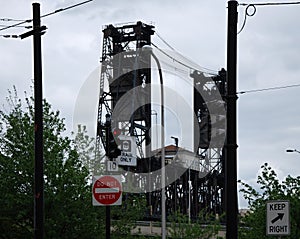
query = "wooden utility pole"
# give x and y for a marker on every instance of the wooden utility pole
(231, 142)
(37, 31)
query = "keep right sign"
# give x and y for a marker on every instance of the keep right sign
(278, 218)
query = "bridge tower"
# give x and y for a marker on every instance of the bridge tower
(124, 68)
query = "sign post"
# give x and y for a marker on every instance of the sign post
(278, 218)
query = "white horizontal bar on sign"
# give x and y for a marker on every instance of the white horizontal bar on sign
(106, 190)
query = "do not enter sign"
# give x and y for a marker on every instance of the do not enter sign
(107, 190)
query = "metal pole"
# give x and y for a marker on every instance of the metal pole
(107, 224)
(150, 171)
(231, 144)
(38, 127)
(153, 112)
(107, 207)
(189, 184)
(163, 169)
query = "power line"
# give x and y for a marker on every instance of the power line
(247, 14)
(269, 4)
(164, 41)
(10, 20)
(1, 25)
(16, 24)
(66, 8)
(46, 15)
(208, 71)
(253, 6)
(10, 36)
(182, 63)
(268, 89)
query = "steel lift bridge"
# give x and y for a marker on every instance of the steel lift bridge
(125, 110)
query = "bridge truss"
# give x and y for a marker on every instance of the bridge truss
(125, 67)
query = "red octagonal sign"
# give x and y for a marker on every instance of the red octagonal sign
(107, 190)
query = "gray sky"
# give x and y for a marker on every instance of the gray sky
(268, 56)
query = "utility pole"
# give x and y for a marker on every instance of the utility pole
(231, 143)
(38, 126)
(37, 31)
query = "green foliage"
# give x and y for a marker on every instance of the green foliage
(68, 210)
(126, 215)
(253, 225)
(16, 171)
(85, 147)
(204, 227)
(67, 186)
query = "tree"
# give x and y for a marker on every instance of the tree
(253, 225)
(68, 165)
(85, 147)
(68, 210)
(206, 226)
(126, 215)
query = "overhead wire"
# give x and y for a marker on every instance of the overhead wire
(208, 71)
(253, 5)
(10, 36)
(270, 3)
(10, 20)
(203, 69)
(27, 27)
(247, 14)
(180, 62)
(66, 8)
(164, 41)
(268, 89)
(46, 15)
(16, 24)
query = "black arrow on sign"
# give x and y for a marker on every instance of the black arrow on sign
(280, 216)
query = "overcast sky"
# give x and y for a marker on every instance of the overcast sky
(268, 56)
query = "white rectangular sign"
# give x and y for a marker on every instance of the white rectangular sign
(128, 151)
(112, 166)
(278, 218)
